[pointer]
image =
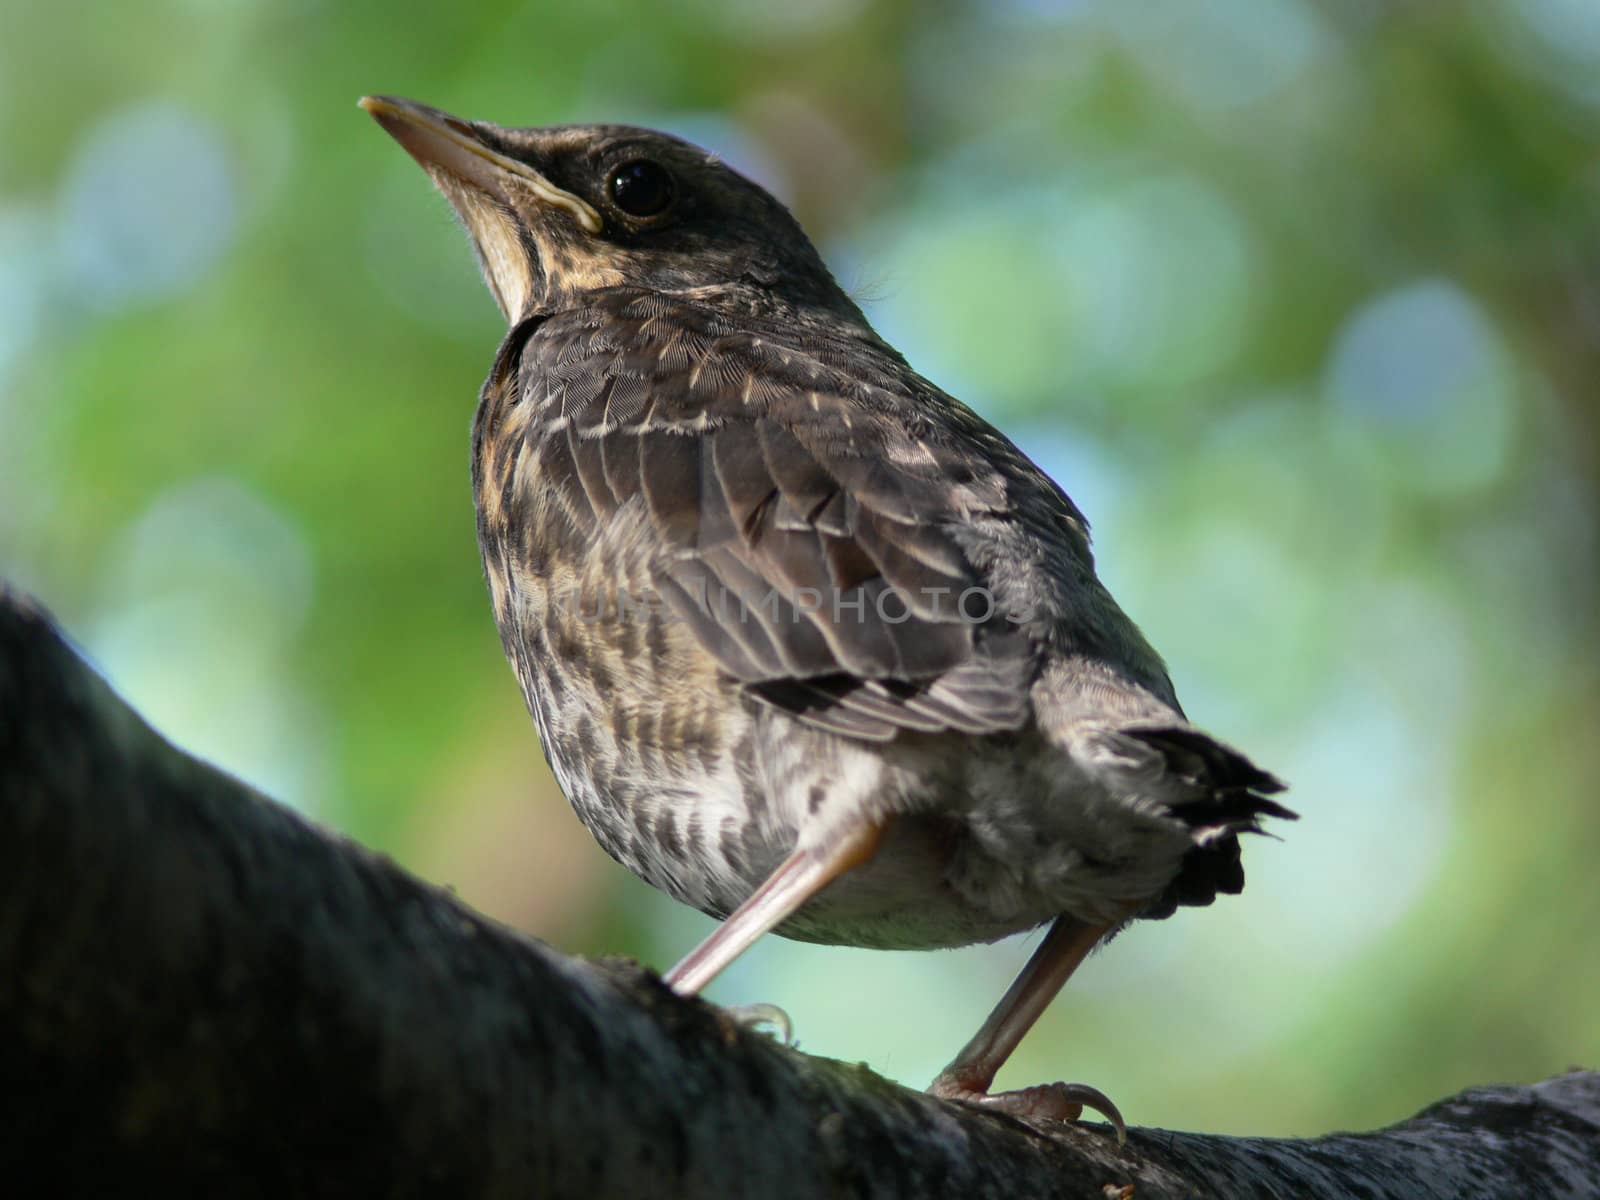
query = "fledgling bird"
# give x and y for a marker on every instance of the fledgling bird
(810, 645)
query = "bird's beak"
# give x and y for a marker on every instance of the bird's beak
(441, 142)
(491, 191)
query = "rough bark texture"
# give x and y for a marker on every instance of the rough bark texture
(200, 992)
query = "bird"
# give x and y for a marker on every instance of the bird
(810, 645)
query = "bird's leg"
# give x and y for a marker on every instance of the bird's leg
(798, 878)
(972, 1070)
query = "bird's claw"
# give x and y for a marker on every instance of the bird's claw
(1047, 1101)
(764, 1017)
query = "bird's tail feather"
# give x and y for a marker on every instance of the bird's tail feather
(1227, 795)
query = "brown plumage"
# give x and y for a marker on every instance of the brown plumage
(809, 644)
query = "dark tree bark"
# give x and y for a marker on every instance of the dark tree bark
(200, 992)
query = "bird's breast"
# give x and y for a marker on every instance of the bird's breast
(648, 741)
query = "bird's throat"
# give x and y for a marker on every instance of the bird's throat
(505, 258)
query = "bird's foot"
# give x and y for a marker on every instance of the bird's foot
(763, 1018)
(1046, 1101)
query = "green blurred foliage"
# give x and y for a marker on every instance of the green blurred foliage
(1300, 301)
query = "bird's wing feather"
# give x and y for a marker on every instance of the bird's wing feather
(804, 530)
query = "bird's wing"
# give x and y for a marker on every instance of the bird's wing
(804, 531)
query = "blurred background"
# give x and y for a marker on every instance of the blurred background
(1299, 300)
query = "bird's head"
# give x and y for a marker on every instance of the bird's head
(564, 210)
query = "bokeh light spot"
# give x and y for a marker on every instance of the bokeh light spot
(1426, 371)
(149, 205)
(203, 593)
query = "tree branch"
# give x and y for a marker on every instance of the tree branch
(202, 992)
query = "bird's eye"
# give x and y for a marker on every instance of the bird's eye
(641, 188)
